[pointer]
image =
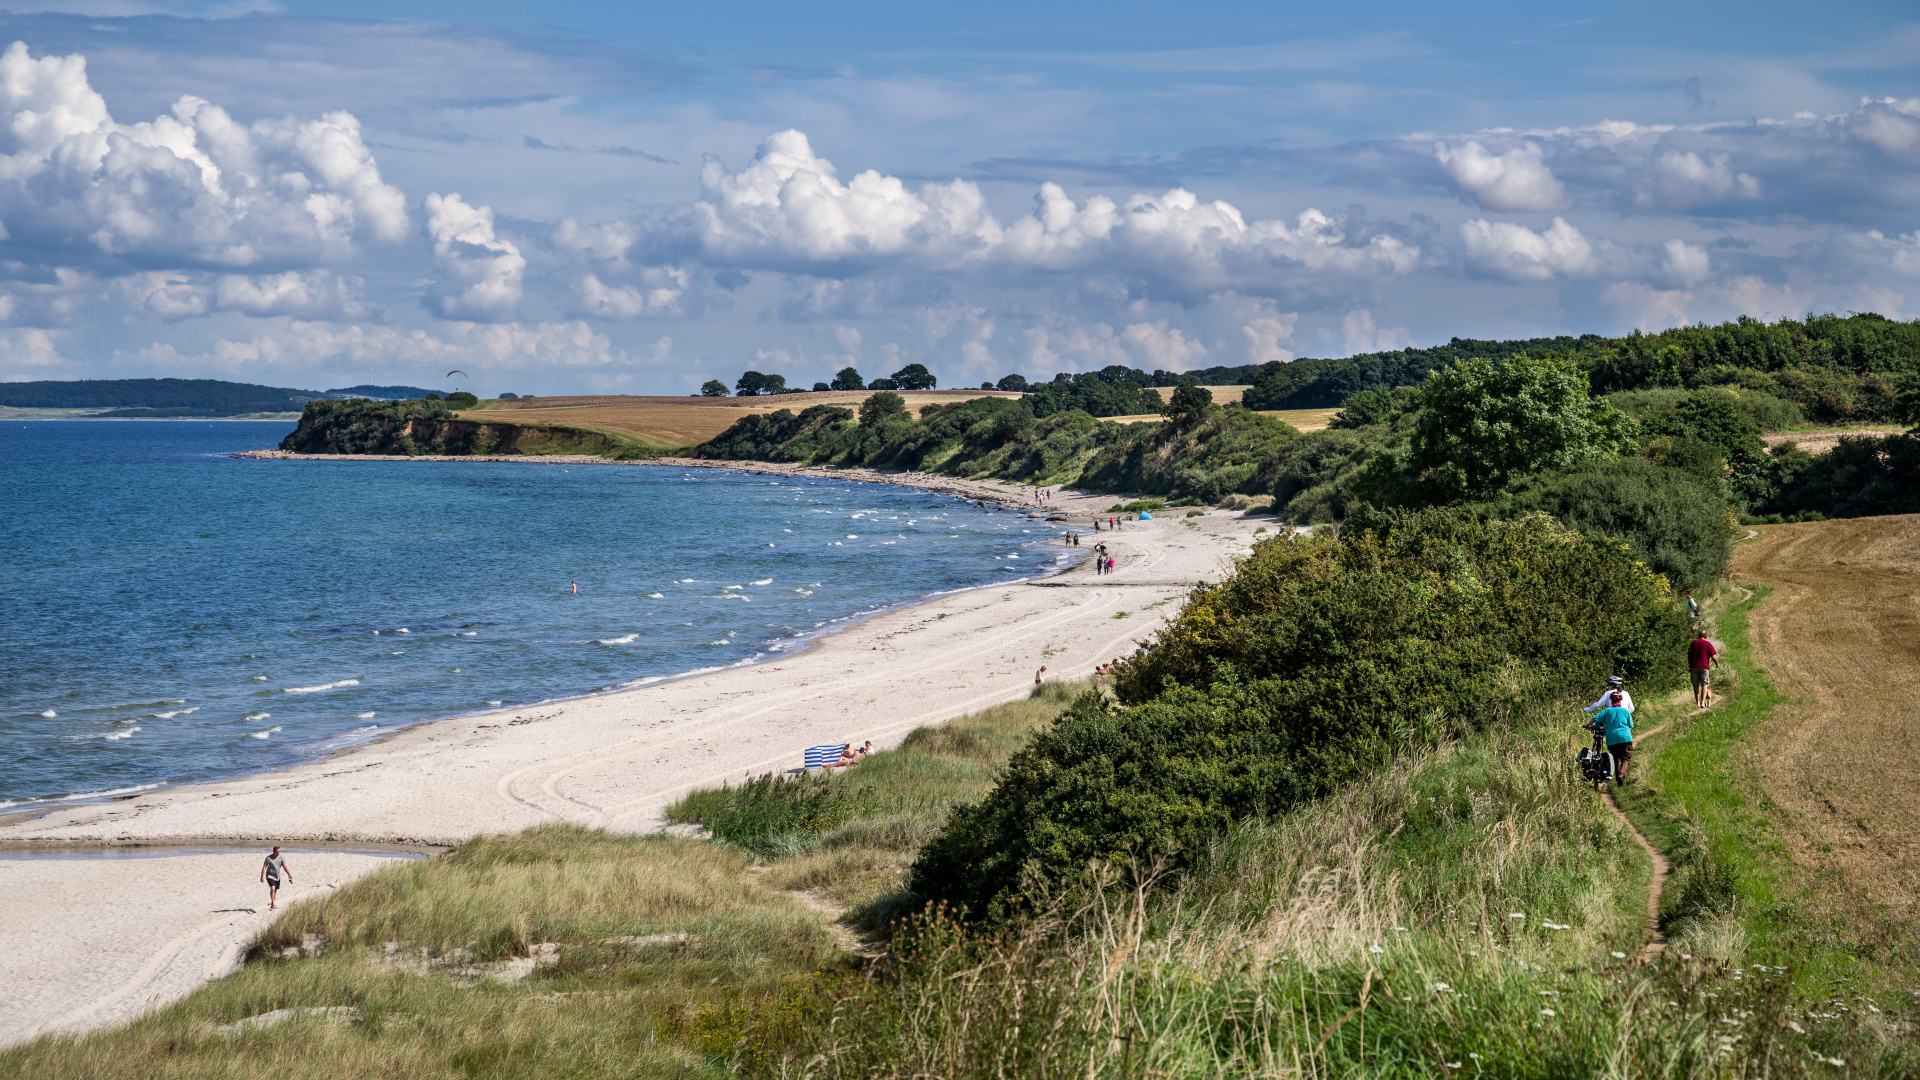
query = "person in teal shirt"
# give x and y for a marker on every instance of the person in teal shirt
(1617, 723)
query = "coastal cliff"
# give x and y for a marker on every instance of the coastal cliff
(420, 427)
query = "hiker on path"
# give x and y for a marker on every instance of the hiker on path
(1615, 685)
(270, 872)
(1693, 608)
(1617, 723)
(1701, 655)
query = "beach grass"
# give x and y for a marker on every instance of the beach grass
(646, 946)
(1469, 908)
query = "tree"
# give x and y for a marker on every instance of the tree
(879, 406)
(461, 399)
(1715, 418)
(1016, 383)
(754, 384)
(1483, 424)
(883, 384)
(914, 377)
(713, 388)
(986, 385)
(848, 379)
(1187, 405)
(819, 386)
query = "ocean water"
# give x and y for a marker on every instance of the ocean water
(172, 613)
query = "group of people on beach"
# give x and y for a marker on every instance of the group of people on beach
(849, 755)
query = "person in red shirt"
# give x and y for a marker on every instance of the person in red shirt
(1701, 655)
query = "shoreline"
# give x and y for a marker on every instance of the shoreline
(609, 761)
(21, 811)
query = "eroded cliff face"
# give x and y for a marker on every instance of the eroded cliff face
(411, 428)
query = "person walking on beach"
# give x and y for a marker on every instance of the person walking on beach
(1701, 655)
(270, 872)
(1040, 676)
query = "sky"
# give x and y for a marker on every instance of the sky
(636, 198)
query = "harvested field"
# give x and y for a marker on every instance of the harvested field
(1304, 419)
(1841, 761)
(1819, 442)
(683, 421)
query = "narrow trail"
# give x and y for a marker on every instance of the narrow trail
(1656, 941)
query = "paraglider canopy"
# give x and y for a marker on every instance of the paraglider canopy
(458, 372)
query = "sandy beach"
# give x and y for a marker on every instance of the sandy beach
(92, 941)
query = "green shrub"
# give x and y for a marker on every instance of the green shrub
(1315, 661)
(1674, 520)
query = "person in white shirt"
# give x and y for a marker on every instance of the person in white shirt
(1615, 685)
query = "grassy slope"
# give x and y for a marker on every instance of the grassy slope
(1374, 933)
(1737, 894)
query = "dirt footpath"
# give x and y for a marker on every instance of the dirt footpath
(1841, 636)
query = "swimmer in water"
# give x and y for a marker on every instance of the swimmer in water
(576, 588)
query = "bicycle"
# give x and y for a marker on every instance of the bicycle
(1596, 763)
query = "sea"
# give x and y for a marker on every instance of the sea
(174, 613)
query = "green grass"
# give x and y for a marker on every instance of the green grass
(1736, 893)
(1368, 934)
(1371, 934)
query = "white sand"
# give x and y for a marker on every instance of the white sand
(611, 762)
(121, 935)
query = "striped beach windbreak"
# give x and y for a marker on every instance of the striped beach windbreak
(823, 755)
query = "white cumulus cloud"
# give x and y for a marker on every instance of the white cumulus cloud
(193, 188)
(789, 210)
(1156, 345)
(480, 272)
(1516, 180)
(1518, 252)
(1684, 263)
(1363, 336)
(656, 294)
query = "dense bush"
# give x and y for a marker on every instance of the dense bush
(1675, 520)
(1110, 392)
(1766, 411)
(1313, 662)
(1862, 476)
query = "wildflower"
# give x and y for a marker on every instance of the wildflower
(1546, 1012)
(1453, 1064)
(1797, 1029)
(1619, 956)
(1442, 988)
(1516, 915)
(1836, 1061)
(1375, 949)
(1556, 926)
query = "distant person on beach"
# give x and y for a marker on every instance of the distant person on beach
(271, 872)
(1701, 655)
(847, 757)
(1040, 676)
